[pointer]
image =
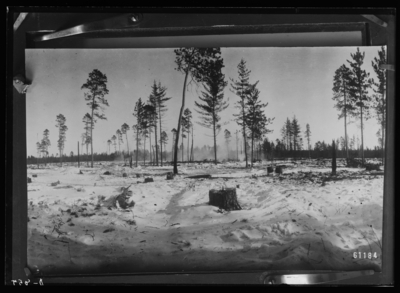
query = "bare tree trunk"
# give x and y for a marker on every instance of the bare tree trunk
(144, 150)
(156, 142)
(215, 145)
(159, 118)
(345, 124)
(91, 135)
(191, 151)
(78, 155)
(137, 146)
(179, 124)
(244, 133)
(383, 131)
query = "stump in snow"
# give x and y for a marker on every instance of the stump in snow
(80, 172)
(34, 175)
(170, 176)
(372, 167)
(29, 180)
(224, 199)
(124, 175)
(107, 173)
(137, 175)
(148, 180)
(270, 170)
(278, 170)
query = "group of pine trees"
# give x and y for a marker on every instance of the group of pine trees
(203, 66)
(351, 88)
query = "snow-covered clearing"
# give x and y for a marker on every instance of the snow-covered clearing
(302, 219)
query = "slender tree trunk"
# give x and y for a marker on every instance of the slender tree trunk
(172, 150)
(252, 146)
(156, 142)
(159, 118)
(383, 130)
(137, 146)
(345, 124)
(362, 138)
(179, 124)
(144, 150)
(91, 136)
(191, 150)
(244, 133)
(237, 149)
(188, 148)
(215, 143)
(78, 155)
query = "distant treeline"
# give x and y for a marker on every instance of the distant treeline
(206, 154)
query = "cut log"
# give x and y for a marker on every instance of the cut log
(148, 180)
(270, 169)
(224, 199)
(34, 175)
(107, 173)
(199, 176)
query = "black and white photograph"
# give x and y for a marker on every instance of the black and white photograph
(205, 159)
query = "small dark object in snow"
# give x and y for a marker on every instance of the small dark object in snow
(293, 220)
(270, 169)
(238, 186)
(108, 230)
(34, 175)
(107, 173)
(29, 180)
(137, 175)
(71, 224)
(148, 180)
(278, 170)
(143, 196)
(55, 183)
(170, 175)
(244, 221)
(288, 195)
(155, 204)
(69, 220)
(310, 204)
(372, 167)
(124, 175)
(80, 172)
(142, 241)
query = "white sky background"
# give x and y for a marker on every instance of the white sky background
(294, 81)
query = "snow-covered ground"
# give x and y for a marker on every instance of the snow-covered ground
(302, 219)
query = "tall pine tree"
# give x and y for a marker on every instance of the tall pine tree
(213, 102)
(195, 62)
(96, 85)
(359, 84)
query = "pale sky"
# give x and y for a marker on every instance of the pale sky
(293, 81)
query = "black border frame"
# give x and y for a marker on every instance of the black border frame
(15, 102)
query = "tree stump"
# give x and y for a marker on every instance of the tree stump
(34, 175)
(29, 180)
(372, 167)
(170, 176)
(107, 173)
(148, 180)
(124, 175)
(270, 170)
(278, 170)
(224, 199)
